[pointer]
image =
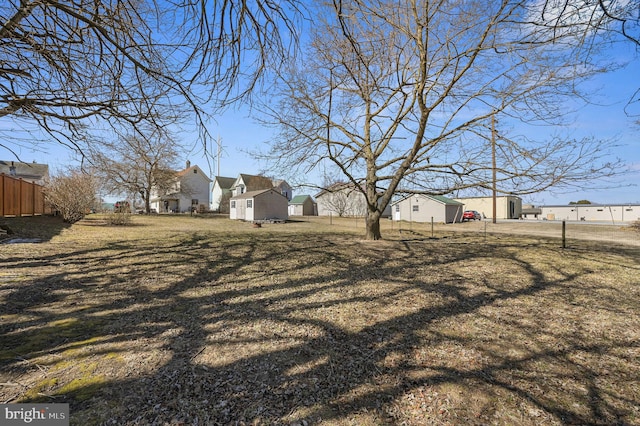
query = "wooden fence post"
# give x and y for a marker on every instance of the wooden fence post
(1, 194)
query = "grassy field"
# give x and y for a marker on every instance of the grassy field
(181, 320)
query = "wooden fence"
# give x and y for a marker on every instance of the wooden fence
(20, 198)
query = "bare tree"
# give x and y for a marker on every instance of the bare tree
(592, 18)
(595, 22)
(339, 199)
(73, 193)
(393, 93)
(137, 165)
(80, 67)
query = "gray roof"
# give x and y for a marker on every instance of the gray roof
(33, 171)
(439, 198)
(252, 194)
(225, 182)
(256, 182)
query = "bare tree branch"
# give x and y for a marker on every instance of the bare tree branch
(79, 69)
(397, 94)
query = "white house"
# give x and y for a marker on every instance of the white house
(190, 192)
(249, 183)
(221, 193)
(425, 208)
(507, 207)
(264, 204)
(284, 188)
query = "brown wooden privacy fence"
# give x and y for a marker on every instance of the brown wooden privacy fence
(20, 198)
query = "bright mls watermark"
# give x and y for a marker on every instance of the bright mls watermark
(34, 414)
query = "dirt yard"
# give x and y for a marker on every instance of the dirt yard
(202, 321)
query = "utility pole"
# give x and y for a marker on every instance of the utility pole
(493, 163)
(219, 154)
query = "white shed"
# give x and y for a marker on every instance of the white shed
(265, 204)
(424, 208)
(303, 205)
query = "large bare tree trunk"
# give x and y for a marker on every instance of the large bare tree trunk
(373, 226)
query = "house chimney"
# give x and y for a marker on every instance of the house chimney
(188, 164)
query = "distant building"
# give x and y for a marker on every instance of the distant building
(592, 212)
(530, 212)
(303, 205)
(341, 199)
(189, 192)
(31, 172)
(263, 204)
(507, 206)
(425, 208)
(221, 193)
(249, 183)
(284, 188)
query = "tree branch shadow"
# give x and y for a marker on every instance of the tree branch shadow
(278, 329)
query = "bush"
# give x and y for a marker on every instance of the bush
(119, 218)
(636, 226)
(72, 193)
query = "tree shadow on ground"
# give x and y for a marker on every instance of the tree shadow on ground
(42, 228)
(284, 329)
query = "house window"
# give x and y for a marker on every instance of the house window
(195, 171)
(397, 207)
(194, 201)
(414, 208)
(600, 210)
(628, 210)
(233, 204)
(249, 204)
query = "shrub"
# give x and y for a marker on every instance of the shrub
(72, 193)
(119, 217)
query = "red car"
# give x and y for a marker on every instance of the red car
(471, 215)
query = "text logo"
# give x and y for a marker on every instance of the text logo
(34, 414)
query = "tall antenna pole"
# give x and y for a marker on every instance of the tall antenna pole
(219, 141)
(493, 163)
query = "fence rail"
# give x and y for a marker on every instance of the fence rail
(569, 234)
(576, 233)
(20, 198)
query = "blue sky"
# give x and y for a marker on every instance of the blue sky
(239, 133)
(606, 118)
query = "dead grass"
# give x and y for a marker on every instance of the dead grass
(179, 320)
